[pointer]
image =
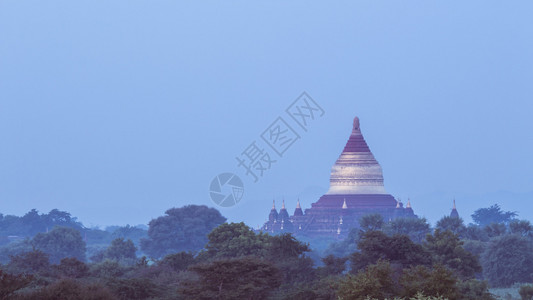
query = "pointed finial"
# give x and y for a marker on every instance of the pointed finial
(356, 124)
(454, 203)
(298, 204)
(274, 204)
(344, 206)
(398, 203)
(283, 204)
(408, 203)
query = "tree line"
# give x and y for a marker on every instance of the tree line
(192, 253)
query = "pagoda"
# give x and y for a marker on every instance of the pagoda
(356, 189)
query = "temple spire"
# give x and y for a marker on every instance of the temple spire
(274, 204)
(454, 213)
(408, 203)
(344, 206)
(356, 127)
(356, 171)
(298, 212)
(283, 204)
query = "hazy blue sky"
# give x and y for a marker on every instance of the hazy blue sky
(118, 110)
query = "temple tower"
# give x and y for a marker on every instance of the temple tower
(356, 189)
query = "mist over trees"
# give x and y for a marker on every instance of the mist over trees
(59, 243)
(191, 253)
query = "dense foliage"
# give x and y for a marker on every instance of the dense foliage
(399, 259)
(181, 229)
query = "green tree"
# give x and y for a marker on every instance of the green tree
(398, 249)
(475, 247)
(437, 281)
(526, 292)
(521, 227)
(61, 242)
(476, 233)
(415, 228)
(508, 259)
(371, 222)
(10, 283)
(375, 281)
(473, 289)
(288, 255)
(235, 278)
(181, 229)
(345, 247)
(455, 225)
(178, 261)
(323, 289)
(72, 268)
(134, 288)
(122, 251)
(60, 218)
(447, 249)
(70, 289)
(493, 214)
(495, 229)
(14, 248)
(30, 262)
(286, 246)
(332, 266)
(236, 240)
(132, 233)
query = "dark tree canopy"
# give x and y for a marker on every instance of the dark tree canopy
(474, 232)
(493, 214)
(495, 229)
(236, 239)
(61, 242)
(10, 283)
(398, 249)
(415, 228)
(120, 250)
(508, 259)
(371, 222)
(521, 227)
(455, 225)
(181, 229)
(347, 246)
(447, 249)
(132, 233)
(178, 261)
(72, 268)
(29, 262)
(235, 278)
(33, 223)
(375, 281)
(332, 265)
(436, 281)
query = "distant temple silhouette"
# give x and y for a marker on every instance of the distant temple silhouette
(356, 189)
